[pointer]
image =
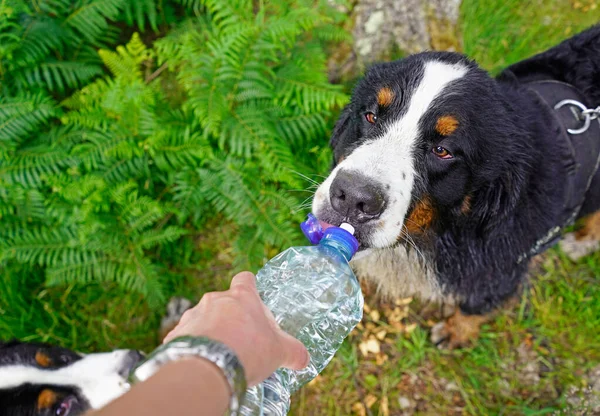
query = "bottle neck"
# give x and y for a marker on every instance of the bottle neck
(340, 247)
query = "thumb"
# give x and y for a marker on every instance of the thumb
(296, 356)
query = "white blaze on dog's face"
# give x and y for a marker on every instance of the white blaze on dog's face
(375, 141)
(39, 379)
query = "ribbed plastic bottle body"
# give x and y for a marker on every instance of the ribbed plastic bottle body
(315, 297)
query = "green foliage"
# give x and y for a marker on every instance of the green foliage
(113, 158)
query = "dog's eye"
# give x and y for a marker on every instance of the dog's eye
(371, 118)
(65, 407)
(442, 152)
(65, 359)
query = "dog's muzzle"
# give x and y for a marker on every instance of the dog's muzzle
(356, 197)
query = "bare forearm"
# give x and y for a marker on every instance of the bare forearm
(189, 387)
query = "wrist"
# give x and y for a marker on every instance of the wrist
(185, 348)
(200, 369)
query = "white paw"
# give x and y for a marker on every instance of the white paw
(576, 249)
(439, 333)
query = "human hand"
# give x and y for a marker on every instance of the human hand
(239, 319)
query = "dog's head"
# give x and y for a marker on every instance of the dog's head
(420, 137)
(42, 380)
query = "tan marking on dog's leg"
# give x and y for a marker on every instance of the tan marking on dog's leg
(584, 241)
(590, 229)
(458, 331)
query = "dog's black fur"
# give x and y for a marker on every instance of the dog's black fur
(503, 161)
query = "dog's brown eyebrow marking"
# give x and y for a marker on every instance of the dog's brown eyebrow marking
(385, 97)
(421, 216)
(42, 359)
(446, 125)
(46, 399)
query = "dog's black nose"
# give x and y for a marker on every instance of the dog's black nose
(356, 197)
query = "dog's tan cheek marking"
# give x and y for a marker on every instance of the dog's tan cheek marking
(465, 208)
(421, 216)
(446, 125)
(42, 359)
(385, 97)
(46, 399)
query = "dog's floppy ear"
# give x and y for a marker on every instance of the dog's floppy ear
(344, 127)
(498, 199)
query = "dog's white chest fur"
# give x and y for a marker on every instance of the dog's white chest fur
(399, 272)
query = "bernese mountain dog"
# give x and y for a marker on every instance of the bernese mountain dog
(454, 179)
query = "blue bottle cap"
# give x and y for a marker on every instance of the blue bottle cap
(343, 238)
(313, 230)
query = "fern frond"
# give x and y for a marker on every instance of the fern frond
(93, 119)
(32, 164)
(227, 15)
(244, 129)
(23, 114)
(90, 17)
(293, 88)
(153, 238)
(41, 37)
(37, 245)
(331, 33)
(135, 273)
(124, 169)
(297, 128)
(139, 11)
(195, 5)
(58, 75)
(125, 63)
(19, 206)
(88, 97)
(227, 187)
(283, 30)
(172, 150)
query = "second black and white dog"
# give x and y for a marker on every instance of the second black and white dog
(44, 380)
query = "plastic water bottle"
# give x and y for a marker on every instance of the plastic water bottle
(315, 297)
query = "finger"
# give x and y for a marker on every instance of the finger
(169, 336)
(244, 280)
(271, 318)
(296, 356)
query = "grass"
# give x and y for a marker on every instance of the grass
(500, 32)
(534, 359)
(523, 363)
